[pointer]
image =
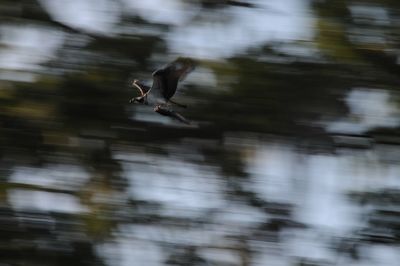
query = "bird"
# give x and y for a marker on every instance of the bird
(165, 84)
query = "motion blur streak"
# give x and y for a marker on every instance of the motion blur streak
(291, 157)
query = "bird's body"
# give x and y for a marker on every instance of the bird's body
(165, 83)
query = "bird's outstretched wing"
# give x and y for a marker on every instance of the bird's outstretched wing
(166, 78)
(143, 89)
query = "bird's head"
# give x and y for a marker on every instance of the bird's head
(139, 99)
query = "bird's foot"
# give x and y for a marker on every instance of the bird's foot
(168, 112)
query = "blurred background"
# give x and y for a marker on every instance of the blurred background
(293, 157)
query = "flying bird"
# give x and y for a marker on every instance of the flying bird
(165, 84)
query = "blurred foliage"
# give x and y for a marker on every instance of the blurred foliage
(76, 110)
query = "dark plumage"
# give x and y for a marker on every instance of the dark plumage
(168, 112)
(165, 83)
(166, 79)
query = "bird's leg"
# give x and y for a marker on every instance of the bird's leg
(178, 104)
(169, 112)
